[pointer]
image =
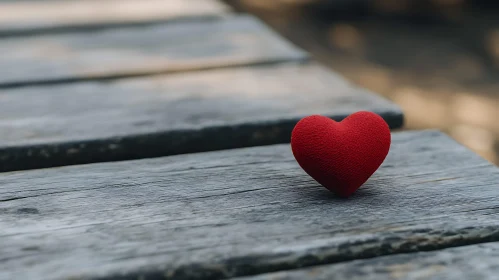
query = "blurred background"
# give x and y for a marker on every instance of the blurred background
(437, 59)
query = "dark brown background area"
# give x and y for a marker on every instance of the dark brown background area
(438, 60)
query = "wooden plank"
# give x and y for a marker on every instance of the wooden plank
(21, 17)
(171, 114)
(139, 50)
(478, 262)
(239, 212)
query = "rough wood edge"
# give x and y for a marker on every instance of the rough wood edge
(152, 145)
(322, 253)
(465, 262)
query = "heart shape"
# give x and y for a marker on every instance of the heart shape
(341, 156)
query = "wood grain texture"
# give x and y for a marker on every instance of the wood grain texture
(21, 17)
(477, 262)
(171, 114)
(140, 50)
(239, 212)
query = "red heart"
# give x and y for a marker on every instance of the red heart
(341, 156)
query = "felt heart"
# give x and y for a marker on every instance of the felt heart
(341, 156)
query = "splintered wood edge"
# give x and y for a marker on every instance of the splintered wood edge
(467, 262)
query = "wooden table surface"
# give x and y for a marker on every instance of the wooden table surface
(21, 17)
(466, 262)
(61, 124)
(139, 50)
(239, 212)
(163, 132)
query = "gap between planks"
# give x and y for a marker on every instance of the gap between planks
(21, 18)
(137, 74)
(128, 51)
(173, 114)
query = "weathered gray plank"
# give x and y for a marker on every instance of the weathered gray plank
(239, 212)
(178, 46)
(477, 262)
(171, 114)
(35, 15)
